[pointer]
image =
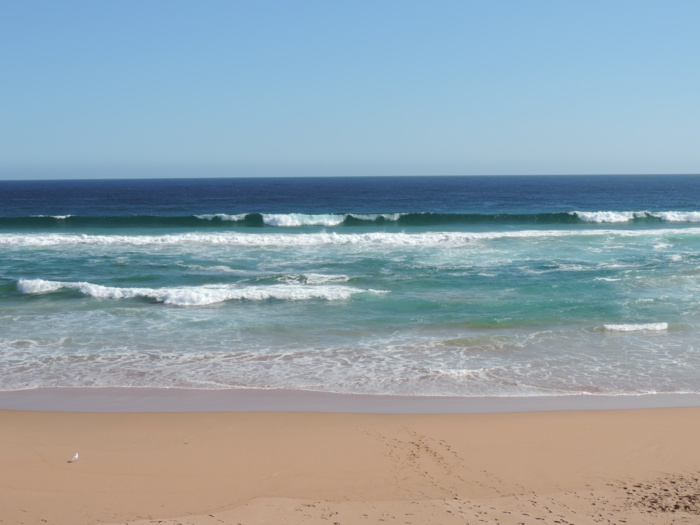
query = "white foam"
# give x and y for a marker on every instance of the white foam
(300, 219)
(374, 217)
(607, 216)
(626, 216)
(222, 217)
(428, 239)
(314, 278)
(38, 286)
(463, 373)
(678, 216)
(636, 327)
(198, 295)
(572, 268)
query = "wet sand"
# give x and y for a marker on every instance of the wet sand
(576, 466)
(278, 400)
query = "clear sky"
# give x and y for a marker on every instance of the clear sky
(128, 88)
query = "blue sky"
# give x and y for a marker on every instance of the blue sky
(258, 88)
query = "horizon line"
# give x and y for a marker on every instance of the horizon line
(248, 177)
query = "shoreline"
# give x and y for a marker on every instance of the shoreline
(253, 457)
(154, 400)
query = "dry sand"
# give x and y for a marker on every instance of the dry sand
(614, 466)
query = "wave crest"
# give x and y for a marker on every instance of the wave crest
(637, 216)
(332, 220)
(313, 239)
(197, 295)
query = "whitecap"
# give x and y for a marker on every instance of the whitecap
(427, 239)
(300, 219)
(198, 295)
(678, 216)
(626, 216)
(222, 217)
(636, 327)
(607, 216)
(314, 278)
(393, 217)
(38, 286)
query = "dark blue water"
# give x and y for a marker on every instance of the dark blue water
(367, 195)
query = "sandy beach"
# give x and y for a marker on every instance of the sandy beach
(604, 466)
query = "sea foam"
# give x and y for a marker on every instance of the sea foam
(298, 219)
(222, 217)
(678, 216)
(652, 327)
(627, 216)
(315, 239)
(281, 219)
(196, 295)
(608, 216)
(331, 220)
(38, 286)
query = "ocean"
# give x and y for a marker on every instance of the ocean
(419, 286)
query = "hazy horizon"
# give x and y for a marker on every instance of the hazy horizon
(200, 176)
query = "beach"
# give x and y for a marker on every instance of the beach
(248, 467)
(350, 350)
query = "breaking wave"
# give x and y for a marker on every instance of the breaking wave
(196, 295)
(312, 239)
(300, 220)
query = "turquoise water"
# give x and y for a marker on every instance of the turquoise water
(426, 286)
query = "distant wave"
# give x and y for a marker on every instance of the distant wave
(298, 220)
(312, 239)
(638, 216)
(196, 295)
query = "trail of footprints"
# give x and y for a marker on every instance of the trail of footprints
(673, 494)
(419, 455)
(673, 499)
(445, 487)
